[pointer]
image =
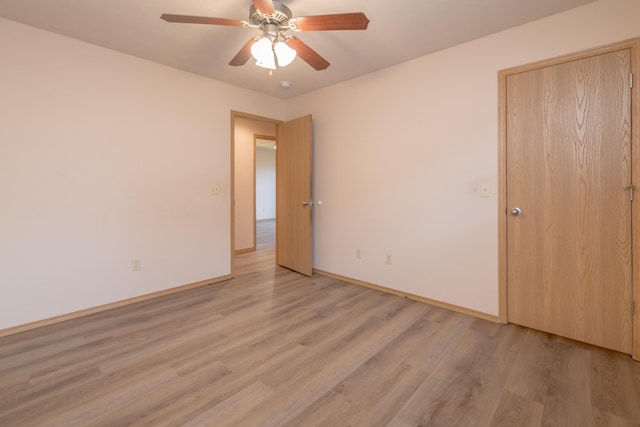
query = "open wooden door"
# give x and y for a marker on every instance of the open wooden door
(293, 195)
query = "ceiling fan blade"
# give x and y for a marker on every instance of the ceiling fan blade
(186, 19)
(307, 54)
(264, 6)
(340, 21)
(243, 55)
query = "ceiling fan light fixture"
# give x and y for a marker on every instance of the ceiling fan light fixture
(284, 54)
(266, 53)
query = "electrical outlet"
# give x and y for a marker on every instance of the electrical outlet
(358, 253)
(388, 259)
(135, 265)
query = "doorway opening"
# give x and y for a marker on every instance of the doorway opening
(293, 188)
(247, 131)
(265, 178)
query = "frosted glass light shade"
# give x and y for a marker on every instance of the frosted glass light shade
(262, 51)
(284, 54)
(269, 62)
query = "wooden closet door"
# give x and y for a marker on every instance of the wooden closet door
(569, 211)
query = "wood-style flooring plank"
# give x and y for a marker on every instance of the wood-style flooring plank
(569, 391)
(275, 348)
(516, 410)
(611, 384)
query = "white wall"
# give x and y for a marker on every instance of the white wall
(105, 158)
(400, 153)
(265, 184)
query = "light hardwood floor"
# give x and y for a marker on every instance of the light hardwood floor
(273, 348)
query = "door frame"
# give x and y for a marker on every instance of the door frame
(255, 182)
(232, 190)
(634, 46)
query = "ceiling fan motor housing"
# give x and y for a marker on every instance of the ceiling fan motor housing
(270, 31)
(280, 17)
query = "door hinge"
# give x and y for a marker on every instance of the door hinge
(633, 306)
(631, 189)
(631, 81)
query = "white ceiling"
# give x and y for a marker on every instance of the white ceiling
(399, 30)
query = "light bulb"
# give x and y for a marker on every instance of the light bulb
(284, 54)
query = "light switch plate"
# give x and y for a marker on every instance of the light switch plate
(485, 190)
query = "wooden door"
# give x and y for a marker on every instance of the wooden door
(568, 163)
(293, 195)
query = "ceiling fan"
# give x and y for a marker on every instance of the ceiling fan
(273, 46)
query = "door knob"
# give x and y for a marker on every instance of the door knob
(309, 203)
(516, 211)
